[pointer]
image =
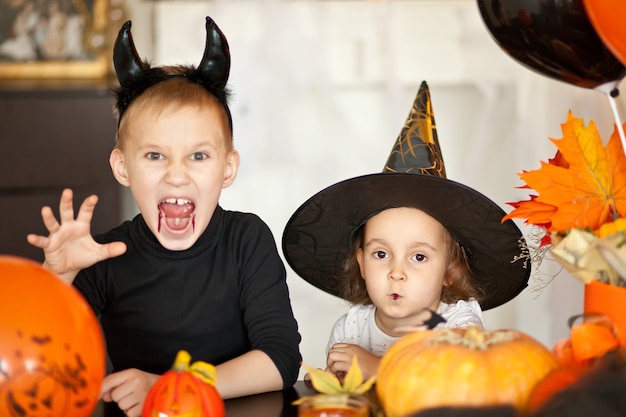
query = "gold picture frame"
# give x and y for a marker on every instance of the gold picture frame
(58, 39)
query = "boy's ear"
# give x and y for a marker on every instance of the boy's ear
(232, 166)
(116, 160)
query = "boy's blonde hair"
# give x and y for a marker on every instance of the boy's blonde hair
(173, 92)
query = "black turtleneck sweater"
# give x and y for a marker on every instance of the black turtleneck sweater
(224, 296)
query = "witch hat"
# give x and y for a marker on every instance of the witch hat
(319, 235)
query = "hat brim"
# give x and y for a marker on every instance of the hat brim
(318, 236)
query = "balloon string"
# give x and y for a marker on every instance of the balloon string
(614, 93)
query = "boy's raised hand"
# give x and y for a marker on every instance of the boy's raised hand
(70, 247)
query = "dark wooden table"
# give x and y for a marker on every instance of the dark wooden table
(271, 404)
(279, 404)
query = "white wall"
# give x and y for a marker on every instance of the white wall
(321, 90)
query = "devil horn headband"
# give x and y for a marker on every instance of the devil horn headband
(128, 65)
(215, 62)
(135, 75)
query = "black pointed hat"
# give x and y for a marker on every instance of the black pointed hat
(319, 235)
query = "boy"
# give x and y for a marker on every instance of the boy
(184, 273)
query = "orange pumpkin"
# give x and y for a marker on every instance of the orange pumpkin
(185, 391)
(52, 354)
(460, 368)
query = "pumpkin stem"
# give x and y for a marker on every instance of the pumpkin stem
(181, 363)
(201, 370)
(474, 336)
(204, 371)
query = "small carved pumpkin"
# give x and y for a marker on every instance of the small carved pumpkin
(52, 354)
(460, 368)
(185, 391)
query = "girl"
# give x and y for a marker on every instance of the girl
(404, 266)
(403, 244)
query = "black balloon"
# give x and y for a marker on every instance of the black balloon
(554, 38)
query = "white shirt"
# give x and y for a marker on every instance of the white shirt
(358, 326)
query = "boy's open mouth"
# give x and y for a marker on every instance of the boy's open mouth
(176, 213)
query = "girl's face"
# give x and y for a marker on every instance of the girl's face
(176, 163)
(403, 263)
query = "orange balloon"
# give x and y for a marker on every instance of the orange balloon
(52, 352)
(607, 18)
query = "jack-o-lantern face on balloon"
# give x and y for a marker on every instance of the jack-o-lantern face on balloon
(52, 355)
(37, 391)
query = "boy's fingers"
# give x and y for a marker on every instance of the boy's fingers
(85, 213)
(66, 206)
(49, 220)
(36, 240)
(114, 249)
(110, 382)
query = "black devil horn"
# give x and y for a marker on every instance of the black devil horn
(128, 65)
(215, 64)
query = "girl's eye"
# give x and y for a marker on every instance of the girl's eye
(155, 156)
(419, 257)
(199, 156)
(379, 254)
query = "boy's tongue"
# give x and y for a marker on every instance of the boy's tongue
(176, 216)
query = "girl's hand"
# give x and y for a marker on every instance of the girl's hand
(70, 247)
(128, 388)
(340, 356)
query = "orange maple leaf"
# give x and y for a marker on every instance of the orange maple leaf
(583, 186)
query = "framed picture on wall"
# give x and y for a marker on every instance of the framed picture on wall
(57, 38)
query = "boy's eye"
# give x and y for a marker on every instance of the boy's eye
(198, 156)
(380, 254)
(154, 156)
